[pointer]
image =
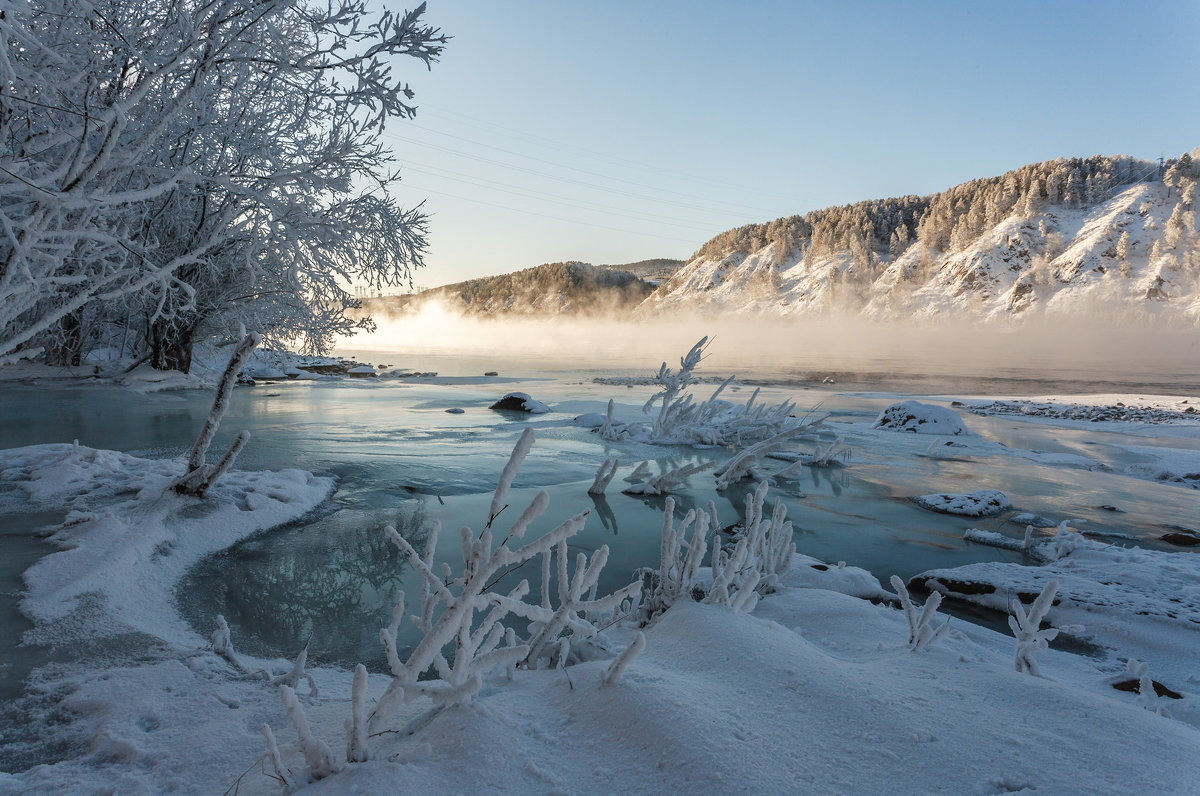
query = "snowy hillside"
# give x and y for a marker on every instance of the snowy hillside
(1042, 239)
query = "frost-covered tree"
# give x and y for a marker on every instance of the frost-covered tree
(1123, 246)
(169, 164)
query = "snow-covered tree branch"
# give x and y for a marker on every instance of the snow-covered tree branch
(181, 166)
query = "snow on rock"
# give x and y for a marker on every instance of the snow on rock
(128, 537)
(590, 420)
(360, 371)
(920, 418)
(984, 503)
(1184, 537)
(520, 402)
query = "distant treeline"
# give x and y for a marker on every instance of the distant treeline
(553, 289)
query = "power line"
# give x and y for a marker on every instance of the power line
(580, 204)
(552, 218)
(723, 207)
(569, 148)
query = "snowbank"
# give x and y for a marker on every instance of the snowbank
(1136, 602)
(128, 537)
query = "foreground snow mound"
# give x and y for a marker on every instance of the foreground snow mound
(920, 418)
(984, 503)
(128, 537)
(520, 402)
(816, 692)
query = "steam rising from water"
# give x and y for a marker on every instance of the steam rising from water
(1100, 348)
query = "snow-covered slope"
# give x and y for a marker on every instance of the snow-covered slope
(1058, 259)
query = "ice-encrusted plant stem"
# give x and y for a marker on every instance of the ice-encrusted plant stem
(200, 477)
(921, 632)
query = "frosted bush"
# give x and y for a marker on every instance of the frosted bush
(762, 554)
(462, 619)
(741, 464)
(684, 421)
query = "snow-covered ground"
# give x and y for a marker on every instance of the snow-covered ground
(816, 691)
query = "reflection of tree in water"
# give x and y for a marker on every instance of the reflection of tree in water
(604, 511)
(334, 580)
(834, 476)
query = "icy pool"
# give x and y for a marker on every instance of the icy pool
(401, 459)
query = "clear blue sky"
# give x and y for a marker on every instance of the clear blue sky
(618, 131)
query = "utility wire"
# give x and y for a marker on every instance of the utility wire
(689, 242)
(713, 208)
(575, 149)
(580, 204)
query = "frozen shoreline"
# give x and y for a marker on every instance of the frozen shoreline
(821, 675)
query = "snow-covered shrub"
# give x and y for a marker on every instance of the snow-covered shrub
(199, 476)
(921, 632)
(760, 557)
(1147, 695)
(316, 752)
(762, 554)
(1025, 627)
(450, 605)
(1063, 543)
(222, 643)
(682, 421)
(292, 677)
(680, 557)
(836, 452)
(356, 725)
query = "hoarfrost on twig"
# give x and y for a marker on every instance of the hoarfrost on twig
(604, 476)
(661, 483)
(293, 676)
(464, 613)
(617, 668)
(1026, 628)
(281, 771)
(316, 752)
(921, 632)
(356, 725)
